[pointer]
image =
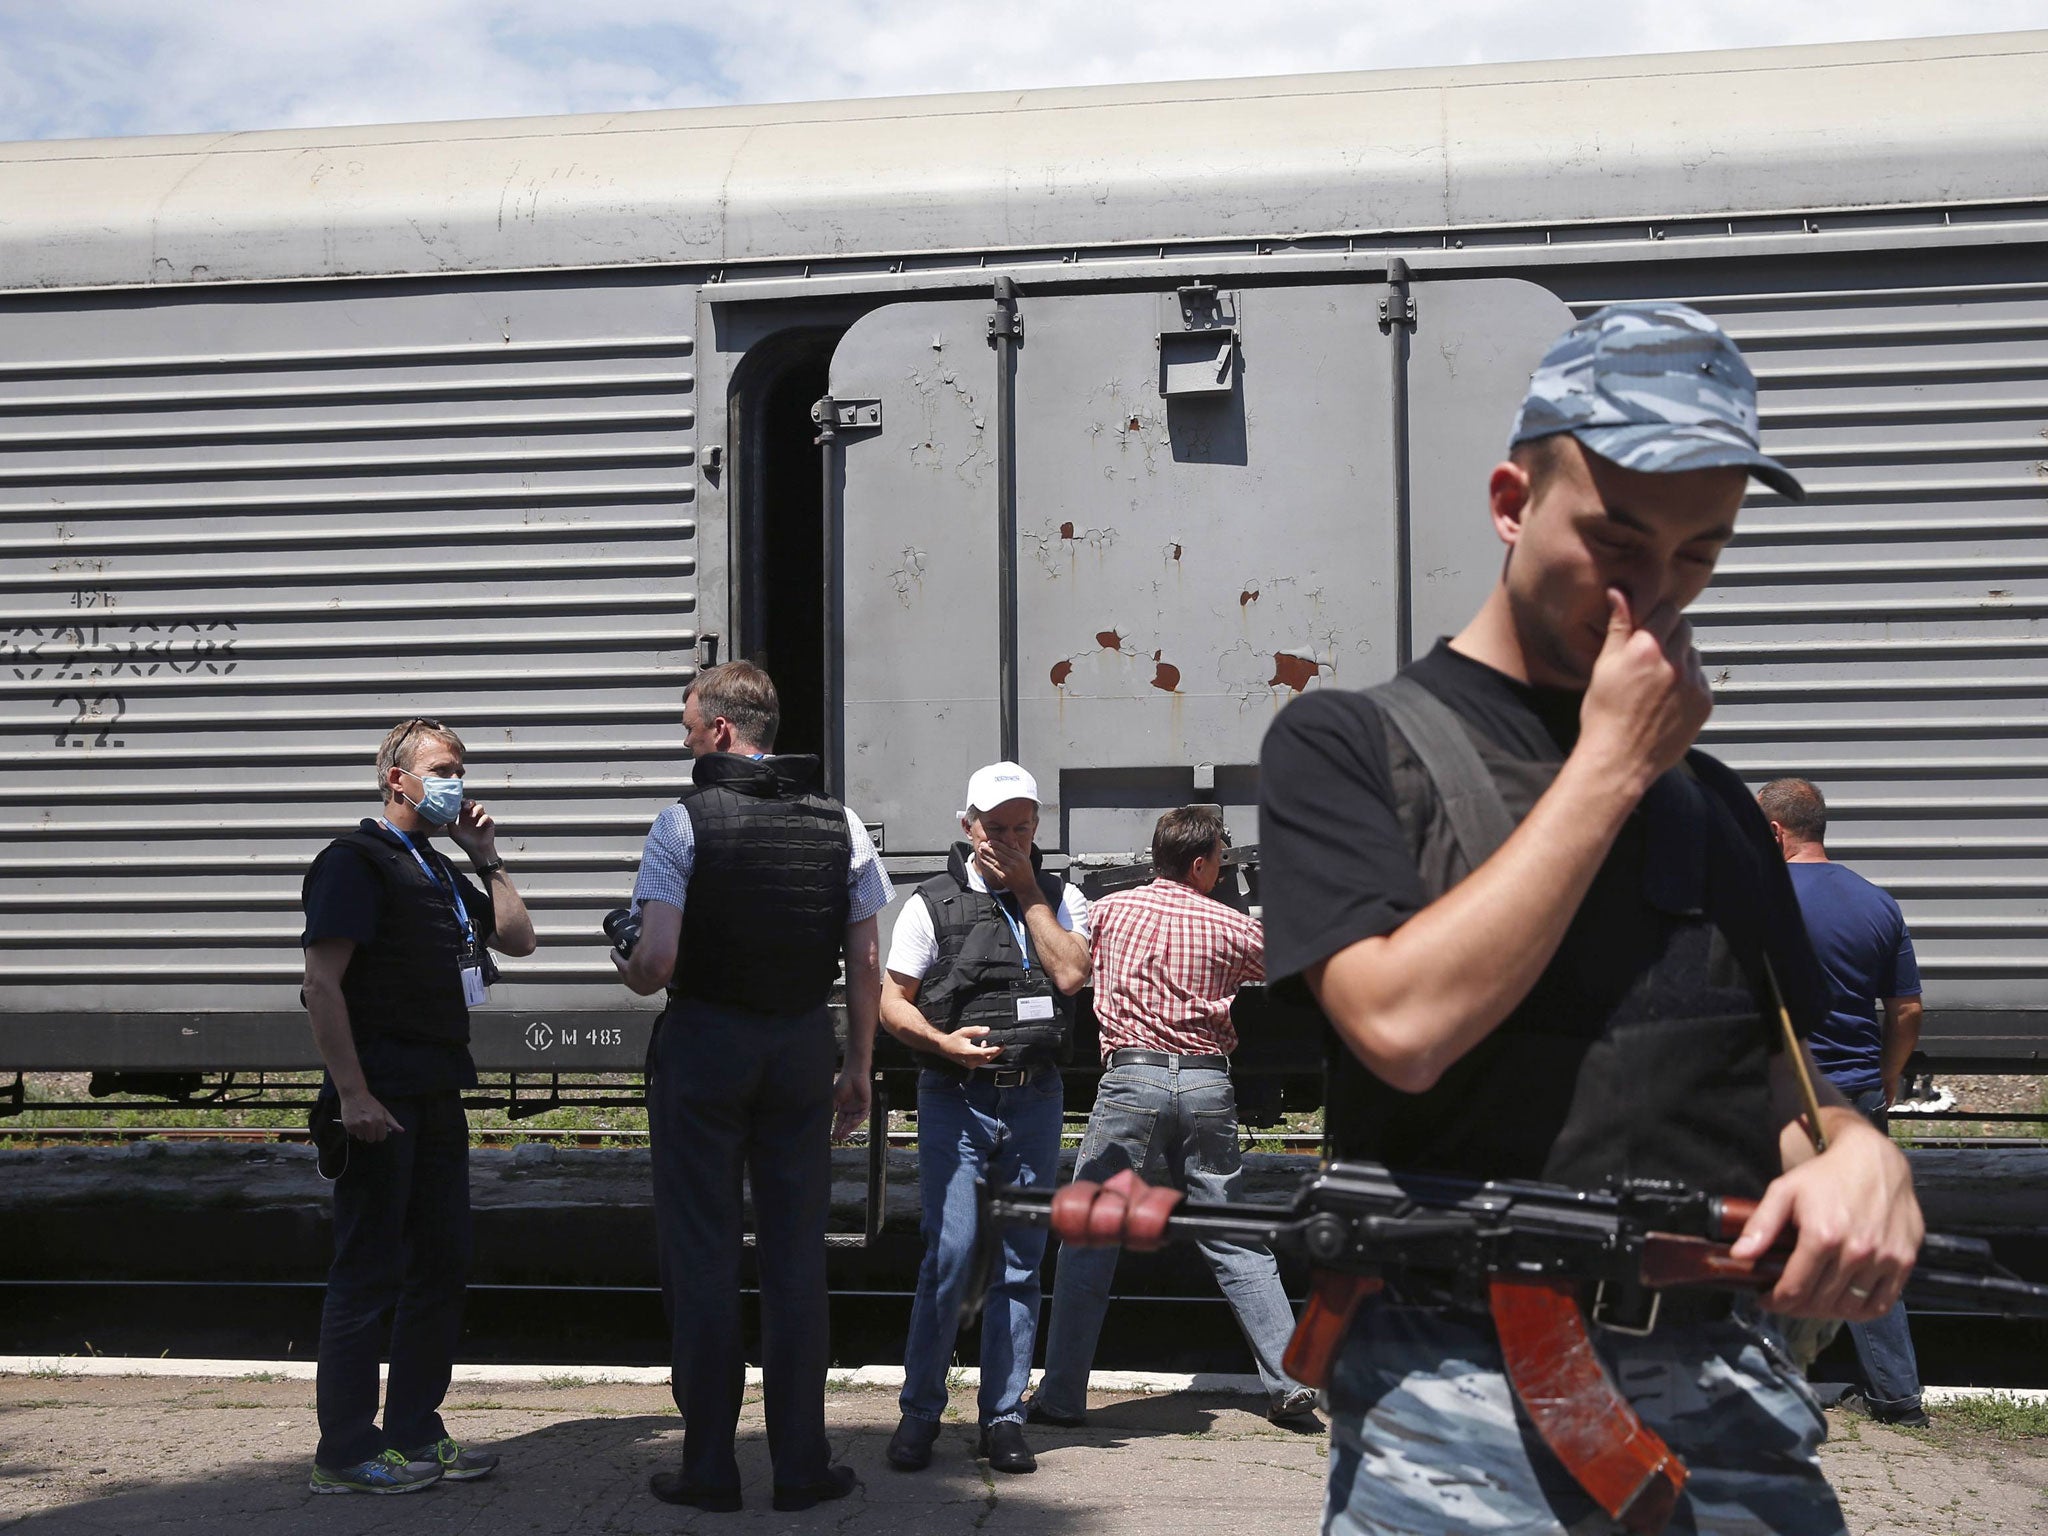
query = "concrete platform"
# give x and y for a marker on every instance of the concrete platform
(114, 1455)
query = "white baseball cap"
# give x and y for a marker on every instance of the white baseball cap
(997, 783)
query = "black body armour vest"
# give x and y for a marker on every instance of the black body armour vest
(765, 918)
(406, 983)
(1643, 1049)
(980, 974)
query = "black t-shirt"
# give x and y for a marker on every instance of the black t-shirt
(344, 899)
(1337, 866)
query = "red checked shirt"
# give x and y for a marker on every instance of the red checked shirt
(1168, 961)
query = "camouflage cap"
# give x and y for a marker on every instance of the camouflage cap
(1655, 387)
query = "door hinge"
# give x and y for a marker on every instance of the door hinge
(1397, 305)
(832, 417)
(1004, 322)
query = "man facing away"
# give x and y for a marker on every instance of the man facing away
(750, 890)
(1168, 961)
(983, 966)
(1867, 955)
(395, 959)
(1592, 993)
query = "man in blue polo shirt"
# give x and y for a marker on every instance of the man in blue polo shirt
(1860, 936)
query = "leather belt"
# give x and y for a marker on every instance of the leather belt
(1131, 1056)
(1005, 1077)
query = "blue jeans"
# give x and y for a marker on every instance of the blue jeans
(401, 1246)
(1884, 1348)
(1178, 1127)
(1426, 1434)
(968, 1131)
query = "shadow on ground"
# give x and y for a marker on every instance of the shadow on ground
(1148, 1463)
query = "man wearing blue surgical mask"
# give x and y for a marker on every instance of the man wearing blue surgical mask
(396, 948)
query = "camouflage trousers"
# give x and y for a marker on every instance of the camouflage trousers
(1427, 1438)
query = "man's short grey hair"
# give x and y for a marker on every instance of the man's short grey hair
(402, 743)
(744, 695)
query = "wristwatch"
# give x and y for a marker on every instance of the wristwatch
(490, 869)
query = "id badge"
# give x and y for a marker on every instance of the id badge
(1033, 1010)
(475, 990)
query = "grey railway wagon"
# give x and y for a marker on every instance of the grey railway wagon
(1143, 410)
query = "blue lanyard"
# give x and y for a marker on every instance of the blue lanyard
(454, 895)
(1016, 927)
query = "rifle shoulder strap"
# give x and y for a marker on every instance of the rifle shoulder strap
(1443, 747)
(1576, 1407)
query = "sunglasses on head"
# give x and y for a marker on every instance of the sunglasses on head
(417, 723)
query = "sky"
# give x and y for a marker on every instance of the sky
(88, 68)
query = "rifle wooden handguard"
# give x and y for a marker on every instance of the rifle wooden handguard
(1576, 1407)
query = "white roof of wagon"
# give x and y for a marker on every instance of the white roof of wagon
(1942, 120)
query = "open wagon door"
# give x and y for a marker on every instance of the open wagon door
(1210, 516)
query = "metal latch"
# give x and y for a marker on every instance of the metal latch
(1199, 355)
(832, 417)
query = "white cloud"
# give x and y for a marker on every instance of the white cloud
(86, 67)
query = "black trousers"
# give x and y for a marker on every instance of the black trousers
(733, 1092)
(401, 1246)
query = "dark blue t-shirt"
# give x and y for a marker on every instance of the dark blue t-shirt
(1860, 935)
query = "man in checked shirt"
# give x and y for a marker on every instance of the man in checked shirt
(1168, 960)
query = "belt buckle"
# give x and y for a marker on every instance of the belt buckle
(1010, 1077)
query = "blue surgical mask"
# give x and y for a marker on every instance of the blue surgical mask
(440, 800)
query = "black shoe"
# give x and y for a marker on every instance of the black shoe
(837, 1483)
(670, 1488)
(1033, 1414)
(1904, 1418)
(910, 1448)
(1003, 1448)
(1296, 1412)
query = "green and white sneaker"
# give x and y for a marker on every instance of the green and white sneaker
(457, 1463)
(390, 1472)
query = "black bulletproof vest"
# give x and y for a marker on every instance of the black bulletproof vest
(980, 974)
(1642, 1050)
(406, 983)
(765, 917)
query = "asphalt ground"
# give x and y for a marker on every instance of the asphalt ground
(121, 1455)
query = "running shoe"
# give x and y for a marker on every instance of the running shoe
(458, 1463)
(390, 1472)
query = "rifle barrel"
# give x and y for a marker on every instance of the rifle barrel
(1359, 1217)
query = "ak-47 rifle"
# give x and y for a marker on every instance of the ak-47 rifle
(1529, 1253)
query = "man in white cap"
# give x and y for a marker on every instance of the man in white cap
(982, 970)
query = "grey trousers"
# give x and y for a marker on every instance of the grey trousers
(732, 1093)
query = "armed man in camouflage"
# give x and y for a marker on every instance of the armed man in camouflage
(1593, 996)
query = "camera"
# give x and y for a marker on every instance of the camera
(622, 927)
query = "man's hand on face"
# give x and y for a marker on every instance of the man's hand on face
(1648, 697)
(1003, 868)
(367, 1120)
(964, 1047)
(474, 832)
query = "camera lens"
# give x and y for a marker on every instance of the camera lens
(622, 927)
